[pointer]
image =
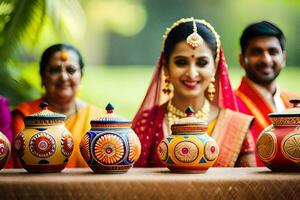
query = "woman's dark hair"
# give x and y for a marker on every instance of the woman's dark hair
(263, 28)
(182, 31)
(53, 49)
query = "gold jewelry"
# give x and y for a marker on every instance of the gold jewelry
(167, 85)
(194, 39)
(211, 90)
(174, 113)
(205, 23)
(166, 89)
(70, 114)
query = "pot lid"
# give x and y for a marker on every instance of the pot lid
(44, 116)
(189, 124)
(110, 119)
(293, 111)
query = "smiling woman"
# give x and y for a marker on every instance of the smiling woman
(61, 70)
(193, 64)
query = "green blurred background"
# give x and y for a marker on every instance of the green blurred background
(121, 40)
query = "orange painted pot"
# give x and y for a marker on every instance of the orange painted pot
(278, 146)
(189, 148)
(111, 146)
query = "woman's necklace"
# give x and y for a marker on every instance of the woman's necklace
(174, 113)
(73, 111)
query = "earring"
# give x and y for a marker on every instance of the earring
(166, 89)
(211, 90)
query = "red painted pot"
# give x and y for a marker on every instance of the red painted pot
(278, 146)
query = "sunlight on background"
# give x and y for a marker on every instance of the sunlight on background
(5, 10)
(71, 15)
(123, 17)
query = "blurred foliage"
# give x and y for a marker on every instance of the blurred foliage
(25, 17)
(123, 17)
(126, 18)
(17, 18)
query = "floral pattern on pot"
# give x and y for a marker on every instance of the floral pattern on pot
(211, 150)
(42, 145)
(267, 146)
(290, 147)
(19, 144)
(67, 144)
(134, 147)
(162, 151)
(109, 149)
(85, 147)
(4, 149)
(186, 151)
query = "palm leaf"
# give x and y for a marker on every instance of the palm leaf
(14, 87)
(26, 20)
(27, 14)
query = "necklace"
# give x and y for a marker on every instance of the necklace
(174, 113)
(70, 114)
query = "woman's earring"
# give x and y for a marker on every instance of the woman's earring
(211, 90)
(166, 89)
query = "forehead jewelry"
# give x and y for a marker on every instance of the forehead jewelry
(194, 39)
(63, 55)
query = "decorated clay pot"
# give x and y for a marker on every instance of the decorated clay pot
(111, 146)
(4, 150)
(189, 148)
(278, 145)
(44, 145)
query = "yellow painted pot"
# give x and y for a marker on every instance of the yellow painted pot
(44, 145)
(189, 148)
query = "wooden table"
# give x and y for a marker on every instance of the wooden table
(151, 183)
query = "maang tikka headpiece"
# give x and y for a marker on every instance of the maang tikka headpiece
(194, 39)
